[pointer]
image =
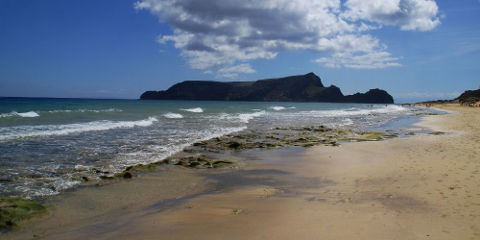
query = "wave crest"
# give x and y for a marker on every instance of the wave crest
(242, 117)
(356, 111)
(85, 110)
(30, 114)
(194, 110)
(278, 108)
(172, 115)
(8, 133)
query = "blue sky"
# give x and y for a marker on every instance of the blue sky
(414, 49)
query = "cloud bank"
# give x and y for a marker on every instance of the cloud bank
(222, 36)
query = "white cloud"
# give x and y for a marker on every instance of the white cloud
(217, 35)
(233, 71)
(370, 60)
(408, 14)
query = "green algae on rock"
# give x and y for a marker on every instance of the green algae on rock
(106, 177)
(211, 153)
(285, 137)
(14, 211)
(125, 174)
(203, 161)
(372, 136)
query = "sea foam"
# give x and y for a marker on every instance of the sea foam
(242, 117)
(7, 133)
(172, 115)
(246, 117)
(154, 153)
(355, 111)
(30, 114)
(194, 110)
(85, 110)
(278, 108)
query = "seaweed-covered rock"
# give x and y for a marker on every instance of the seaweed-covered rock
(125, 174)
(106, 177)
(13, 211)
(150, 166)
(210, 153)
(203, 161)
(281, 137)
(223, 163)
(369, 136)
(234, 145)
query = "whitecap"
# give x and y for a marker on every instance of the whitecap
(246, 117)
(172, 115)
(85, 110)
(278, 108)
(242, 117)
(30, 114)
(194, 110)
(355, 111)
(7, 133)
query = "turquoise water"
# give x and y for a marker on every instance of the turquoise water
(46, 145)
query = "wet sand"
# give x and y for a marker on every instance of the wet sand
(421, 187)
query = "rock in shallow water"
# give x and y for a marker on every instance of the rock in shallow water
(14, 211)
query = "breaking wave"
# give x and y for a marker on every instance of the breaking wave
(278, 108)
(30, 114)
(7, 133)
(172, 115)
(194, 110)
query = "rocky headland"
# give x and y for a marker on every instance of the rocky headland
(469, 98)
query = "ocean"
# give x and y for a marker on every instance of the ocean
(46, 145)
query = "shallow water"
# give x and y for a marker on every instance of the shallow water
(48, 145)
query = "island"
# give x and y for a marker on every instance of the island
(300, 88)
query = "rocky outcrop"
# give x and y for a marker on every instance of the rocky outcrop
(372, 96)
(301, 88)
(470, 96)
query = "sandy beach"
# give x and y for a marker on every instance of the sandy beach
(183, 119)
(426, 186)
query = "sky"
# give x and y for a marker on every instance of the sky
(415, 49)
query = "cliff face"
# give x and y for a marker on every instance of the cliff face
(301, 88)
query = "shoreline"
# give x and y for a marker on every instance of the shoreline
(383, 191)
(61, 161)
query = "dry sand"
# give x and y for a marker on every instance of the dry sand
(421, 187)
